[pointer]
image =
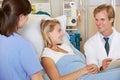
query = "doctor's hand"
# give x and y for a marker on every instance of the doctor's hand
(105, 63)
(92, 69)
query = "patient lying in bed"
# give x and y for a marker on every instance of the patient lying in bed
(65, 63)
(59, 60)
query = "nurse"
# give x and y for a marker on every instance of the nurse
(18, 60)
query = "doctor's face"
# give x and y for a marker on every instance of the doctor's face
(103, 23)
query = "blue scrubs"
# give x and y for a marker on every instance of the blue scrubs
(18, 60)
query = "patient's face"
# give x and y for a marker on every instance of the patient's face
(56, 35)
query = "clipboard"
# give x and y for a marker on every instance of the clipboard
(114, 64)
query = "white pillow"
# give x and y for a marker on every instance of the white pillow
(62, 20)
(31, 31)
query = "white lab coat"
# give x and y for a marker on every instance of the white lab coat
(95, 51)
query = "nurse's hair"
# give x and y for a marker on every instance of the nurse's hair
(9, 15)
(109, 9)
(46, 27)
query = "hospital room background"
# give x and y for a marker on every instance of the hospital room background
(80, 23)
(79, 16)
(75, 16)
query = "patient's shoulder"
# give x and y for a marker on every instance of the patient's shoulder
(47, 52)
(55, 56)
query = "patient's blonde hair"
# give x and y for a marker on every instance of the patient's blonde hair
(46, 27)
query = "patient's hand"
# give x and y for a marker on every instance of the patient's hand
(92, 68)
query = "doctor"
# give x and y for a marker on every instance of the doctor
(104, 46)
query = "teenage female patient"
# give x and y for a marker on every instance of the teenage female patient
(59, 60)
(54, 50)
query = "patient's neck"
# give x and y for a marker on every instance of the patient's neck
(58, 49)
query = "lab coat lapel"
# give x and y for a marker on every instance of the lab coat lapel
(102, 53)
(114, 44)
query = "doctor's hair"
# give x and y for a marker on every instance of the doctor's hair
(46, 27)
(109, 9)
(9, 15)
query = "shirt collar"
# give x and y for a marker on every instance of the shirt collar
(110, 37)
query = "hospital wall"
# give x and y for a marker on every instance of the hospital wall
(88, 29)
(86, 21)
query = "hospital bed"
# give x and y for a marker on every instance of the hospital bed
(31, 32)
